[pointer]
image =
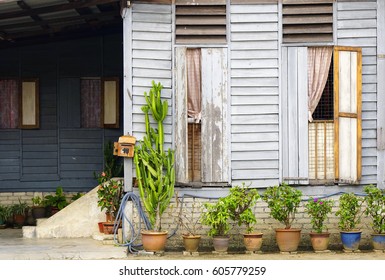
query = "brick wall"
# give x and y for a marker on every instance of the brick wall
(265, 224)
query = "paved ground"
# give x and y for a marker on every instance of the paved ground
(14, 247)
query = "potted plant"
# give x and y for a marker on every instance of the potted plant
(19, 212)
(5, 213)
(38, 207)
(318, 209)
(349, 212)
(56, 202)
(217, 216)
(375, 208)
(190, 225)
(155, 172)
(283, 202)
(109, 198)
(241, 201)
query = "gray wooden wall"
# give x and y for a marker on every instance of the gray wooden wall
(254, 51)
(59, 152)
(254, 54)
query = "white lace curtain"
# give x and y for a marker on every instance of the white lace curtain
(194, 93)
(319, 60)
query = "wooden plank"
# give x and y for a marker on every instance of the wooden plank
(301, 2)
(214, 119)
(152, 36)
(258, 36)
(252, 146)
(249, 18)
(200, 10)
(200, 2)
(181, 138)
(250, 128)
(381, 98)
(303, 144)
(200, 30)
(304, 19)
(256, 137)
(254, 164)
(319, 28)
(69, 102)
(151, 17)
(255, 45)
(200, 20)
(284, 113)
(253, 9)
(292, 117)
(307, 9)
(204, 40)
(151, 27)
(255, 155)
(248, 2)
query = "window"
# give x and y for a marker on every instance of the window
(201, 109)
(200, 22)
(19, 103)
(99, 99)
(9, 104)
(328, 148)
(307, 21)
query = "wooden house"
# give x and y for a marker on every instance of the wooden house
(262, 91)
(235, 72)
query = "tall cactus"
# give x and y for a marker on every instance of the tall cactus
(154, 167)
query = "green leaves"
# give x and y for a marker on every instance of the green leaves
(318, 209)
(237, 206)
(349, 211)
(283, 201)
(375, 207)
(154, 167)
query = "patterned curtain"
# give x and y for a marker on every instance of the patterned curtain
(9, 104)
(319, 60)
(194, 92)
(90, 103)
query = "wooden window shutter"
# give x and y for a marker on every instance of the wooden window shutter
(307, 21)
(347, 113)
(294, 116)
(200, 22)
(215, 158)
(181, 132)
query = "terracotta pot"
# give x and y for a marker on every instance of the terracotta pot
(108, 228)
(320, 241)
(18, 220)
(252, 241)
(154, 241)
(101, 227)
(191, 242)
(221, 243)
(288, 239)
(378, 241)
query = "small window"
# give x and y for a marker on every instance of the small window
(9, 104)
(200, 22)
(99, 100)
(307, 21)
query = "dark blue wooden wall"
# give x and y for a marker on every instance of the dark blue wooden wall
(60, 152)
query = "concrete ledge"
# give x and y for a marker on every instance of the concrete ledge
(79, 219)
(29, 231)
